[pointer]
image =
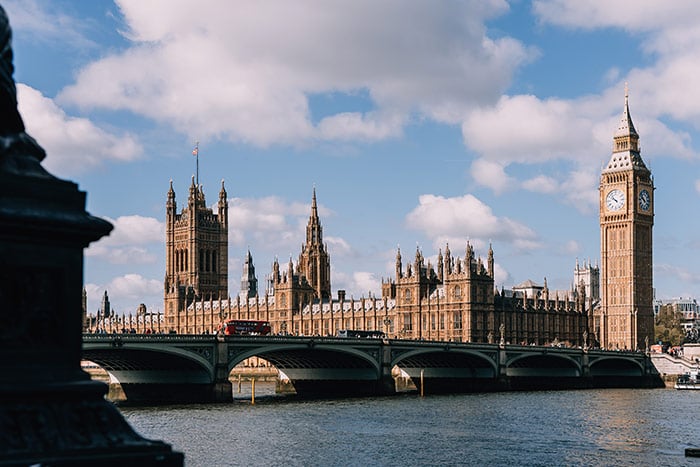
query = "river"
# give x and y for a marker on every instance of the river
(609, 427)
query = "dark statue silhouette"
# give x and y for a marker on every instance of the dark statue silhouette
(51, 412)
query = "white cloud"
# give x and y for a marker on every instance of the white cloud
(467, 216)
(357, 284)
(269, 221)
(501, 276)
(357, 126)
(527, 129)
(126, 293)
(571, 247)
(491, 175)
(72, 144)
(542, 184)
(47, 23)
(127, 242)
(337, 246)
(273, 224)
(679, 273)
(562, 136)
(243, 71)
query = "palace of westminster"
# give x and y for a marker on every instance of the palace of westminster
(454, 300)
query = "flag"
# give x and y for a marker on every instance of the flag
(195, 151)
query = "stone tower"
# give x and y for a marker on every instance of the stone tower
(196, 243)
(625, 319)
(314, 260)
(249, 281)
(105, 306)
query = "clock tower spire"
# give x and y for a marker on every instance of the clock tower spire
(625, 319)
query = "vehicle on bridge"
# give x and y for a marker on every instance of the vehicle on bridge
(361, 334)
(245, 327)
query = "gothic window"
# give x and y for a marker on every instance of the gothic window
(457, 291)
(407, 323)
(458, 319)
(283, 300)
(407, 295)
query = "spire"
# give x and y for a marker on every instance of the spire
(193, 192)
(222, 192)
(314, 230)
(249, 281)
(625, 155)
(626, 127)
(170, 204)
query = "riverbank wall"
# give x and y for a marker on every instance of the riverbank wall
(670, 367)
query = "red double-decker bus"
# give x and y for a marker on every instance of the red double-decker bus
(243, 327)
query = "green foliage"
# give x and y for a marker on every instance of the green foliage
(667, 327)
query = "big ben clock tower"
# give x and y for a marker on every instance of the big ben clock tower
(625, 319)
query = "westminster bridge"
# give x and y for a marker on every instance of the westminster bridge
(195, 368)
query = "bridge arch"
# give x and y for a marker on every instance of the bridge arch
(606, 366)
(543, 365)
(303, 355)
(476, 364)
(150, 372)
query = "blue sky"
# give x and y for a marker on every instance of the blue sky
(419, 123)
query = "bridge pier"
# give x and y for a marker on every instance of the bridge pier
(502, 378)
(222, 390)
(387, 385)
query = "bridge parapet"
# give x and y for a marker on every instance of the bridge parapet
(333, 365)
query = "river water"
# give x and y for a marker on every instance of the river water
(609, 427)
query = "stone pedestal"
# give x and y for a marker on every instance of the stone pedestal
(51, 412)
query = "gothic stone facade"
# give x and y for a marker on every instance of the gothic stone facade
(196, 263)
(456, 302)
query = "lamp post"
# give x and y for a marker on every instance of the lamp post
(51, 412)
(387, 323)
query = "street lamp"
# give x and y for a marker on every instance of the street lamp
(387, 323)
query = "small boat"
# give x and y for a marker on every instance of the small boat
(688, 381)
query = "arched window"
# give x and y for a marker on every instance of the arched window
(457, 291)
(407, 294)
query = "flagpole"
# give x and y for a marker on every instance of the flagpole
(196, 154)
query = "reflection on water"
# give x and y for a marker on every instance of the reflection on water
(594, 427)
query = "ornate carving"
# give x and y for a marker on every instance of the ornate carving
(205, 352)
(48, 428)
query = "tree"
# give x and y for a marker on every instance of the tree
(667, 326)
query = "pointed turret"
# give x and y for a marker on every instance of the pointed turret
(223, 205)
(490, 262)
(399, 267)
(314, 260)
(626, 151)
(249, 282)
(105, 307)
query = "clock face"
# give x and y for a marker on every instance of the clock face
(644, 200)
(615, 200)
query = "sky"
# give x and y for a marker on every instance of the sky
(419, 124)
